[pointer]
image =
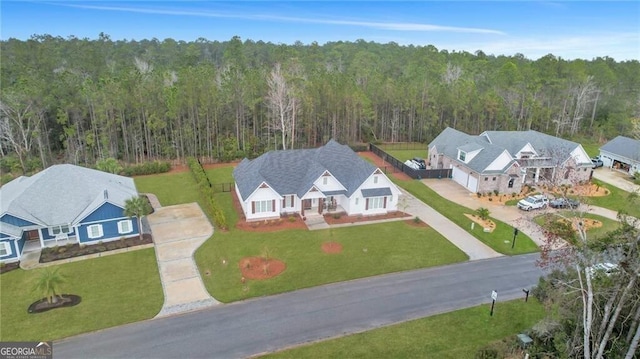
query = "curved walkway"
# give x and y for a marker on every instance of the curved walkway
(177, 232)
(451, 231)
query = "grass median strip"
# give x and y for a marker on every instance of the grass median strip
(501, 237)
(115, 290)
(458, 334)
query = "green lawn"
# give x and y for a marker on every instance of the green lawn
(404, 155)
(452, 335)
(608, 225)
(616, 200)
(220, 174)
(170, 188)
(115, 290)
(367, 251)
(499, 239)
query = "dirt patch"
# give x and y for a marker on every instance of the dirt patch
(259, 268)
(587, 223)
(418, 223)
(331, 247)
(386, 167)
(485, 223)
(342, 218)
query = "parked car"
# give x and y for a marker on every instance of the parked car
(604, 268)
(533, 202)
(420, 162)
(562, 202)
(597, 162)
(412, 164)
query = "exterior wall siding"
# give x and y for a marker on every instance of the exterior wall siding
(109, 230)
(105, 211)
(9, 219)
(14, 251)
(263, 194)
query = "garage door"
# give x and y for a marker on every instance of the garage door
(460, 176)
(472, 185)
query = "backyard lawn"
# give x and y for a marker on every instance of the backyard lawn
(115, 290)
(404, 155)
(499, 239)
(453, 335)
(170, 188)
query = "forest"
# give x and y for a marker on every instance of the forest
(84, 100)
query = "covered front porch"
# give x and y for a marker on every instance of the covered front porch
(35, 245)
(317, 202)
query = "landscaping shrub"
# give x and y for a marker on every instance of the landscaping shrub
(147, 168)
(204, 186)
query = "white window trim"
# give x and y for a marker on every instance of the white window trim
(462, 156)
(264, 206)
(325, 180)
(7, 247)
(90, 230)
(121, 224)
(375, 179)
(51, 229)
(376, 203)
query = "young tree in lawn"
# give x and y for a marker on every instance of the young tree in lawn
(48, 283)
(137, 207)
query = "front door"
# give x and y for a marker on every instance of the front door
(33, 235)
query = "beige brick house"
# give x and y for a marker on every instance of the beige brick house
(507, 160)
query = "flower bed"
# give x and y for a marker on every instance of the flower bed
(75, 250)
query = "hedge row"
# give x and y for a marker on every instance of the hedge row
(204, 186)
(147, 168)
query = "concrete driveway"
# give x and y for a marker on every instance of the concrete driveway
(616, 178)
(177, 232)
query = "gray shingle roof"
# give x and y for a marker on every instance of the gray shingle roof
(376, 192)
(545, 145)
(294, 171)
(63, 194)
(450, 140)
(624, 146)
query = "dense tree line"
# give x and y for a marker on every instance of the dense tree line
(81, 100)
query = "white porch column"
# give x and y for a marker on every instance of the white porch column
(537, 175)
(40, 237)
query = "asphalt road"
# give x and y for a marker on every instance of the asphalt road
(270, 323)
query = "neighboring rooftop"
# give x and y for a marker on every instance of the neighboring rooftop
(623, 146)
(294, 171)
(62, 194)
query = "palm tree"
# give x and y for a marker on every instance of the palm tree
(137, 207)
(49, 284)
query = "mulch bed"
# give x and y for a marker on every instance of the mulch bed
(342, 218)
(75, 250)
(64, 300)
(259, 268)
(270, 225)
(8, 267)
(419, 223)
(331, 247)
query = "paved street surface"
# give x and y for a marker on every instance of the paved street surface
(267, 324)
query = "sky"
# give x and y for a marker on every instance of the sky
(568, 29)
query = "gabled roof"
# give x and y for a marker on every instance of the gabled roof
(62, 194)
(545, 145)
(450, 140)
(623, 146)
(294, 171)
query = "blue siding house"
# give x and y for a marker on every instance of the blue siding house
(63, 204)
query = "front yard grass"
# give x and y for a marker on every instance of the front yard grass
(616, 200)
(368, 250)
(115, 290)
(458, 334)
(501, 237)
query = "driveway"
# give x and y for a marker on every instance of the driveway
(616, 178)
(456, 235)
(177, 232)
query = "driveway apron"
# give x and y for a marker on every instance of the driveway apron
(616, 178)
(177, 232)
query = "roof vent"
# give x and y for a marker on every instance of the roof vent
(106, 194)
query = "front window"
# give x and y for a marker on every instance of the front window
(462, 156)
(94, 231)
(125, 227)
(264, 206)
(5, 249)
(376, 202)
(61, 229)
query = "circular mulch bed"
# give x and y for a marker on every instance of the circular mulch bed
(260, 268)
(412, 222)
(64, 300)
(331, 247)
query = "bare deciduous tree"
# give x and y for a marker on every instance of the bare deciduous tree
(19, 124)
(283, 105)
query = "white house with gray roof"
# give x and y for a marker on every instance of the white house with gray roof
(63, 204)
(503, 161)
(621, 153)
(312, 181)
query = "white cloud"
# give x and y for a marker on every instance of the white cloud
(415, 27)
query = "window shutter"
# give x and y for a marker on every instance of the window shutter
(273, 205)
(253, 207)
(284, 202)
(384, 203)
(291, 200)
(366, 204)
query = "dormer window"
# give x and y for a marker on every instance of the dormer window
(462, 156)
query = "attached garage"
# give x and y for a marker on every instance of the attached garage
(464, 179)
(621, 153)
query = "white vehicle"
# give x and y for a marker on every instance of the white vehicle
(411, 164)
(604, 268)
(533, 202)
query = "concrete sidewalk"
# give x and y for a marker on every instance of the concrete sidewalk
(177, 232)
(456, 235)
